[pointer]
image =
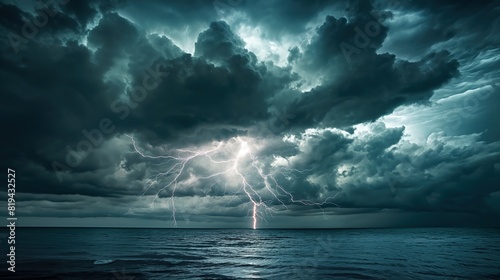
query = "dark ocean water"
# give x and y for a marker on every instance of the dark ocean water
(428, 253)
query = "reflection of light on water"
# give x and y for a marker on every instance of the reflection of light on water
(254, 255)
(245, 252)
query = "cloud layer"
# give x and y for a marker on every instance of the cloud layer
(370, 106)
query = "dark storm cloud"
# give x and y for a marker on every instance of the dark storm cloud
(219, 43)
(178, 14)
(433, 22)
(127, 64)
(109, 43)
(86, 11)
(197, 95)
(359, 84)
(381, 170)
(76, 90)
(285, 19)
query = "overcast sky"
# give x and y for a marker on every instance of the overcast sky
(204, 114)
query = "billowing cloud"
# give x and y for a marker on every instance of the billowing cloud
(328, 108)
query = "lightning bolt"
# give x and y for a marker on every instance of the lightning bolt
(174, 166)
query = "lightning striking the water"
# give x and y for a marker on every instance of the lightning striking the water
(226, 160)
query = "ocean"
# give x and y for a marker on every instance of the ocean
(133, 254)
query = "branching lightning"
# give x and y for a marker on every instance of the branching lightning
(237, 162)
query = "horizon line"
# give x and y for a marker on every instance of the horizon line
(264, 228)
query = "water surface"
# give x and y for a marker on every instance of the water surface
(132, 254)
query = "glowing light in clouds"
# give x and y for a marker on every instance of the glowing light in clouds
(232, 161)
